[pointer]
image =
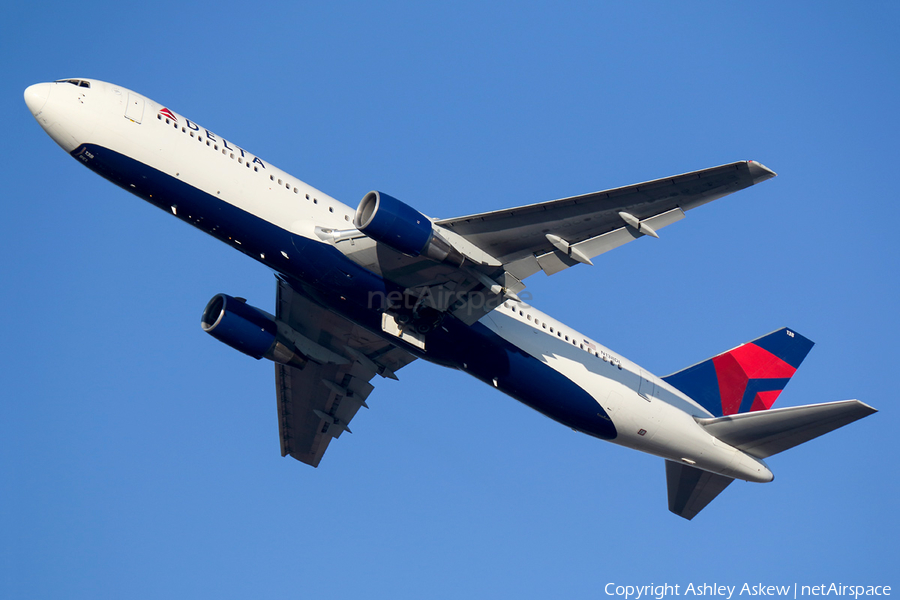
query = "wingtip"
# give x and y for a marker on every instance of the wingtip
(760, 172)
(871, 410)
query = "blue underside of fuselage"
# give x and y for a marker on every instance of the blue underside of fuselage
(323, 273)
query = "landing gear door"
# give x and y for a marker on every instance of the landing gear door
(134, 110)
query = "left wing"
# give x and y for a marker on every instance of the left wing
(317, 402)
(552, 236)
(472, 264)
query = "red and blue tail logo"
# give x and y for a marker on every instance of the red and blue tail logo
(747, 378)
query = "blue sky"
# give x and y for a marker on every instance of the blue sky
(139, 457)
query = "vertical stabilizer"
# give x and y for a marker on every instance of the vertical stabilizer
(747, 378)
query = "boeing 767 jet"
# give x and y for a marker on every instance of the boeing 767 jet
(364, 292)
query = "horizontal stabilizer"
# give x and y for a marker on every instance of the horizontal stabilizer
(691, 489)
(769, 432)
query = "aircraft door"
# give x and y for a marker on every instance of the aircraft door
(647, 387)
(134, 110)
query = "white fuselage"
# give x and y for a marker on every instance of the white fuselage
(647, 413)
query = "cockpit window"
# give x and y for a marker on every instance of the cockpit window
(78, 82)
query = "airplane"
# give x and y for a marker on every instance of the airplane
(365, 292)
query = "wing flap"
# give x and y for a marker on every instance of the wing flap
(555, 261)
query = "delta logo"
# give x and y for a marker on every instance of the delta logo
(168, 114)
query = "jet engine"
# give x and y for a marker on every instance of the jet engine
(249, 330)
(401, 227)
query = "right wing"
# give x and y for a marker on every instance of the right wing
(317, 402)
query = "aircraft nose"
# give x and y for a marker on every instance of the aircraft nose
(36, 96)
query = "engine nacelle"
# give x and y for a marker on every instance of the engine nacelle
(398, 225)
(247, 329)
(391, 222)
